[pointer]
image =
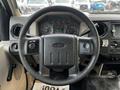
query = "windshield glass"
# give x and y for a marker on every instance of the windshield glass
(79, 1)
(37, 2)
(91, 6)
(62, 1)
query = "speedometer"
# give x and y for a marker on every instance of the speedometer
(59, 26)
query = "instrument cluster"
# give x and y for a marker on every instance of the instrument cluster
(59, 24)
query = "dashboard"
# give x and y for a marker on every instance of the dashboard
(108, 27)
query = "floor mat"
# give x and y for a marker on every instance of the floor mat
(97, 83)
(103, 84)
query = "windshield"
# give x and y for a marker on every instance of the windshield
(79, 1)
(37, 2)
(62, 1)
(91, 6)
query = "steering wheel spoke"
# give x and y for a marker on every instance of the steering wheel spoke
(31, 46)
(86, 46)
(74, 70)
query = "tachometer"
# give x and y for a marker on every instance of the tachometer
(46, 28)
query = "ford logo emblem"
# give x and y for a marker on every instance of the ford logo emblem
(58, 45)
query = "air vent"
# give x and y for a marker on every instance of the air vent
(102, 29)
(15, 30)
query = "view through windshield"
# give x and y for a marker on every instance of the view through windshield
(91, 6)
(37, 2)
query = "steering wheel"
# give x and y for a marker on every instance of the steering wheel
(59, 53)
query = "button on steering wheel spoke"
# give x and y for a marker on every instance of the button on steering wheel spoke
(86, 45)
(31, 46)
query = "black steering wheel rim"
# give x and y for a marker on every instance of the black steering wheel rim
(59, 9)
